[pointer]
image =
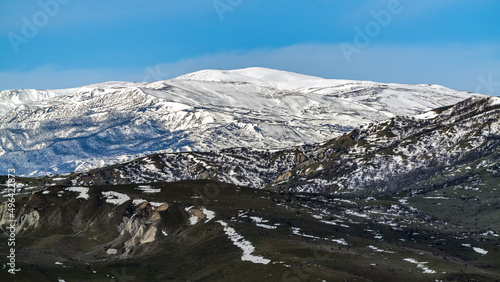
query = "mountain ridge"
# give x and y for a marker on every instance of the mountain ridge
(82, 128)
(400, 152)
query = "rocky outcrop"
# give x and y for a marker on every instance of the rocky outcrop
(140, 228)
(23, 222)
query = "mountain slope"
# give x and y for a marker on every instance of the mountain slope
(405, 198)
(209, 231)
(77, 129)
(391, 156)
(405, 152)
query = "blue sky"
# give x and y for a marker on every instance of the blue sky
(51, 44)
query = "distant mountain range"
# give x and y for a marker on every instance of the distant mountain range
(411, 198)
(61, 131)
(445, 146)
(252, 175)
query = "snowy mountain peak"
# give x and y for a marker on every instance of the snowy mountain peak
(262, 77)
(75, 129)
(10, 99)
(246, 75)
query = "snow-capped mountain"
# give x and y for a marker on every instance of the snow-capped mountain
(458, 145)
(446, 146)
(405, 198)
(60, 131)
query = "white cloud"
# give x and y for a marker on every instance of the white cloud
(456, 66)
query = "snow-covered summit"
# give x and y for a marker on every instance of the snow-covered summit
(263, 77)
(60, 131)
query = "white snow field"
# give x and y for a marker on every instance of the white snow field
(66, 130)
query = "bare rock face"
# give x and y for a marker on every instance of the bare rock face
(23, 222)
(140, 228)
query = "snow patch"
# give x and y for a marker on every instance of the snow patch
(340, 241)
(379, 250)
(479, 250)
(427, 115)
(437, 198)
(210, 214)
(420, 265)
(148, 189)
(84, 192)
(137, 202)
(115, 198)
(193, 220)
(243, 244)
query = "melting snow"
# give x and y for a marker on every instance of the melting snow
(243, 244)
(489, 232)
(210, 214)
(356, 213)
(259, 221)
(479, 250)
(345, 201)
(420, 265)
(267, 226)
(427, 115)
(379, 250)
(476, 249)
(341, 241)
(296, 231)
(137, 202)
(403, 201)
(45, 192)
(193, 219)
(116, 198)
(156, 204)
(82, 190)
(148, 189)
